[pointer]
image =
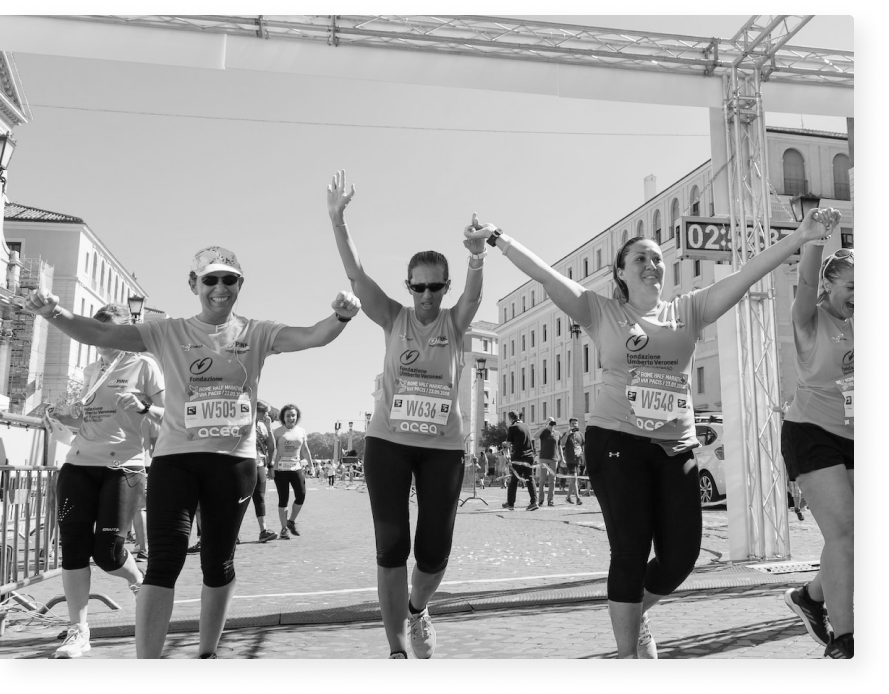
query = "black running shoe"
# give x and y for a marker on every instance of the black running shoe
(841, 647)
(812, 613)
(195, 548)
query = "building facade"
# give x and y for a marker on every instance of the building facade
(479, 342)
(539, 351)
(86, 277)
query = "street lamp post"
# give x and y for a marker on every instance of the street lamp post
(801, 204)
(7, 147)
(578, 409)
(136, 303)
(480, 373)
(367, 416)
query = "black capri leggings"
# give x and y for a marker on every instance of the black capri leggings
(438, 475)
(646, 496)
(96, 509)
(223, 485)
(259, 492)
(284, 480)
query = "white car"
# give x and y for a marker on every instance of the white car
(710, 457)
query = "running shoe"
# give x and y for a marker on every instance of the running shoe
(267, 535)
(646, 649)
(579, 502)
(569, 500)
(284, 535)
(422, 634)
(532, 506)
(550, 503)
(509, 506)
(76, 643)
(841, 648)
(812, 613)
(398, 656)
(195, 548)
(142, 555)
(291, 526)
(208, 656)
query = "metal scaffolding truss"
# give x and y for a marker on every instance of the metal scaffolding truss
(762, 41)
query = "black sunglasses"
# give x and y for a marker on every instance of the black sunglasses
(431, 286)
(212, 280)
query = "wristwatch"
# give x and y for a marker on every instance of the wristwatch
(492, 239)
(146, 406)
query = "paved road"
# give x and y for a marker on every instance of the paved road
(519, 585)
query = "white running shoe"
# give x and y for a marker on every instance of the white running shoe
(76, 643)
(422, 634)
(646, 648)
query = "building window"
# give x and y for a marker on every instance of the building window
(484, 345)
(512, 348)
(532, 375)
(674, 217)
(532, 338)
(523, 379)
(83, 307)
(505, 318)
(79, 350)
(86, 264)
(598, 258)
(794, 173)
(558, 408)
(544, 409)
(841, 177)
(586, 267)
(677, 274)
(533, 304)
(558, 327)
(695, 200)
(657, 226)
(558, 367)
(697, 268)
(640, 228)
(544, 332)
(700, 380)
(586, 358)
(570, 273)
(586, 402)
(624, 236)
(512, 382)
(544, 374)
(512, 309)
(504, 383)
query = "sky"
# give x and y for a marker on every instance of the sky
(162, 161)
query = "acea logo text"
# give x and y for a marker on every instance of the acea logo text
(409, 356)
(636, 343)
(200, 366)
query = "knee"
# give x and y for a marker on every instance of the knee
(77, 545)
(429, 564)
(394, 555)
(108, 551)
(217, 575)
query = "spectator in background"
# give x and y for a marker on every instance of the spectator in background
(572, 447)
(521, 459)
(550, 459)
(265, 456)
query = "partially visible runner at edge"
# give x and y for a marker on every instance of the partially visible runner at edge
(291, 441)
(265, 456)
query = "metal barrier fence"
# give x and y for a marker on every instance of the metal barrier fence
(29, 543)
(471, 469)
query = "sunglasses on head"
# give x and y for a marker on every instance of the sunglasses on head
(212, 280)
(842, 253)
(431, 286)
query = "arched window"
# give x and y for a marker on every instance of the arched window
(656, 226)
(102, 277)
(640, 228)
(624, 236)
(794, 173)
(95, 265)
(841, 189)
(674, 217)
(86, 264)
(695, 201)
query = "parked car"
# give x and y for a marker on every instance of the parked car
(710, 457)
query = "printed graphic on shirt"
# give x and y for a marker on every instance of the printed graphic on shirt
(657, 397)
(847, 388)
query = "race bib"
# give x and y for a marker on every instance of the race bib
(657, 397)
(218, 415)
(847, 388)
(420, 414)
(288, 465)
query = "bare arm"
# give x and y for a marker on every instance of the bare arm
(89, 331)
(323, 332)
(805, 304)
(305, 447)
(567, 294)
(377, 305)
(728, 291)
(471, 298)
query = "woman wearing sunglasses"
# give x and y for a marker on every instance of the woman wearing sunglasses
(416, 427)
(818, 440)
(206, 449)
(638, 446)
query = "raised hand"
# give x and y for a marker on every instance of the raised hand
(476, 234)
(346, 304)
(42, 302)
(337, 197)
(818, 223)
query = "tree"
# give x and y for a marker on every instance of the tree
(494, 434)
